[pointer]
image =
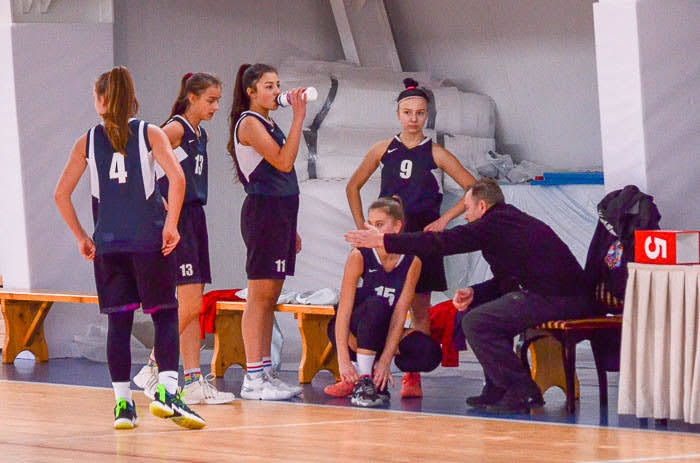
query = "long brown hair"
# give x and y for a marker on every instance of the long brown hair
(195, 84)
(117, 88)
(246, 77)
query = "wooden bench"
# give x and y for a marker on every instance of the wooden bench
(24, 312)
(317, 352)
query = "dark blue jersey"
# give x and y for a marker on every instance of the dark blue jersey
(129, 212)
(258, 176)
(192, 154)
(412, 175)
(378, 282)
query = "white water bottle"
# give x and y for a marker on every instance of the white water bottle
(283, 98)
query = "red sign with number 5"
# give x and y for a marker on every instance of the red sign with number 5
(667, 247)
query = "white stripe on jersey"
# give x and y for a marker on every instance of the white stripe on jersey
(425, 140)
(147, 167)
(94, 178)
(376, 256)
(438, 174)
(248, 159)
(180, 154)
(184, 120)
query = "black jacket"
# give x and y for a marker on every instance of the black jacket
(620, 213)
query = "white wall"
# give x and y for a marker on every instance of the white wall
(160, 41)
(535, 58)
(620, 95)
(670, 75)
(55, 66)
(14, 262)
(649, 80)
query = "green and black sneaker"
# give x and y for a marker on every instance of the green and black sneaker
(125, 415)
(171, 406)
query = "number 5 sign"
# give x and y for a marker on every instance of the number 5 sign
(667, 247)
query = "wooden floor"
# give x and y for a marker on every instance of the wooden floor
(55, 423)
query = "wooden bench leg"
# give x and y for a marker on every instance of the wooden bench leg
(317, 353)
(547, 368)
(228, 343)
(24, 329)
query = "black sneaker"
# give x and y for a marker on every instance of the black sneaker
(517, 400)
(125, 415)
(384, 395)
(490, 394)
(364, 393)
(166, 405)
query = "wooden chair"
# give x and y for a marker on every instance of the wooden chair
(571, 332)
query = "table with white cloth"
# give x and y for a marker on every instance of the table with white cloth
(660, 353)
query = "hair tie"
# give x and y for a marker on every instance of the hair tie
(187, 76)
(410, 88)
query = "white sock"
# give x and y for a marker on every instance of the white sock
(169, 380)
(355, 365)
(267, 365)
(365, 362)
(122, 390)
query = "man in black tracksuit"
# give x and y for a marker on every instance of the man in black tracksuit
(536, 279)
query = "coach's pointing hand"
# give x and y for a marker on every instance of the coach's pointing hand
(369, 238)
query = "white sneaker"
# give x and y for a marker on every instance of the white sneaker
(261, 388)
(203, 390)
(277, 381)
(147, 379)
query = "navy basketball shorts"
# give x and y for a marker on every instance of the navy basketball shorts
(432, 275)
(127, 280)
(192, 252)
(269, 229)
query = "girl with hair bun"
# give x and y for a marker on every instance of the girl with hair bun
(264, 161)
(411, 164)
(367, 330)
(133, 239)
(197, 101)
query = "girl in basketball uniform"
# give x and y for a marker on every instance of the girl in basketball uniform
(198, 100)
(264, 161)
(375, 295)
(132, 240)
(410, 169)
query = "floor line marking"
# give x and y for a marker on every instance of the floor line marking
(633, 460)
(227, 428)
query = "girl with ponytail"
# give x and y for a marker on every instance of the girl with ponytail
(264, 160)
(375, 295)
(197, 101)
(132, 241)
(410, 166)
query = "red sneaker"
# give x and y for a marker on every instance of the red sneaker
(339, 389)
(410, 385)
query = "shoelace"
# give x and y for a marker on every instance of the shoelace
(121, 405)
(208, 388)
(152, 381)
(367, 387)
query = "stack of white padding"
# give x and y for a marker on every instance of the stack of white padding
(472, 153)
(363, 112)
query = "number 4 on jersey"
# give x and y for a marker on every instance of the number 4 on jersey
(117, 170)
